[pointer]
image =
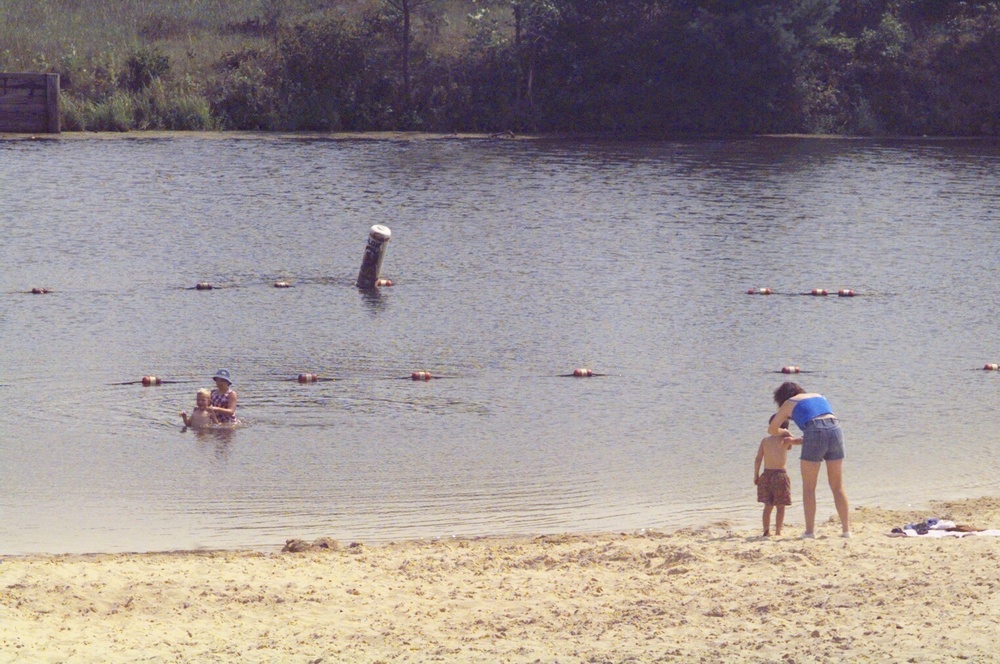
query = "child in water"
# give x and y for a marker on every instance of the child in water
(774, 489)
(202, 416)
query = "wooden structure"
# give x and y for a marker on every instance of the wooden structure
(29, 103)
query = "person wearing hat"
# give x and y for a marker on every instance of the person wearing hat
(223, 397)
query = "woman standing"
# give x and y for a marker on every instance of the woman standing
(822, 440)
(223, 397)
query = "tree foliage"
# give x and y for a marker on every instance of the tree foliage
(613, 66)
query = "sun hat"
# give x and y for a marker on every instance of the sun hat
(224, 375)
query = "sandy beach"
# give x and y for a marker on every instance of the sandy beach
(708, 594)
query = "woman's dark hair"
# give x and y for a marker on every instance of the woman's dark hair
(786, 391)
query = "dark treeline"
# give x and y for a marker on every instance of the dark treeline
(631, 67)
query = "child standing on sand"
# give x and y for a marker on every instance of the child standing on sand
(202, 416)
(774, 489)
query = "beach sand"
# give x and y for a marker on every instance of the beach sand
(709, 594)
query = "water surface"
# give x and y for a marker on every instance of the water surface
(514, 262)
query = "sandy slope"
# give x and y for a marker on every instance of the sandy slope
(706, 594)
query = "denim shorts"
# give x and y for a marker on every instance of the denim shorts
(822, 440)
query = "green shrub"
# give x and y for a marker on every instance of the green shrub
(189, 112)
(116, 113)
(75, 112)
(143, 67)
(243, 97)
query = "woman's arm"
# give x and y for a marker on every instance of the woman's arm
(783, 415)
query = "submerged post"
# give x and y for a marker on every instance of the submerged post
(371, 264)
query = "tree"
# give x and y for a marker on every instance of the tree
(533, 19)
(406, 9)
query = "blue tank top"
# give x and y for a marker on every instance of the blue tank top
(810, 409)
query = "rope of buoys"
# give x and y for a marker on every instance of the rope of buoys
(40, 291)
(582, 372)
(790, 370)
(819, 292)
(421, 375)
(846, 292)
(308, 378)
(991, 367)
(760, 291)
(384, 282)
(204, 285)
(149, 381)
(282, 284)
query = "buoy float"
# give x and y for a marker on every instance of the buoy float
(421, 375)
(790, 370)
(384, 282)
(308, 378)
(819, 291)
(151, 380)
(991, 367)
(759, 291)
(282, 284)
(204, 285)
(40, 291)
(846, 292)
(583, 373)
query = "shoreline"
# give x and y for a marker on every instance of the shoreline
(697, 593)
(416, 136)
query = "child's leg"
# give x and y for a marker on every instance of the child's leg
(779, 519)
(767, 518)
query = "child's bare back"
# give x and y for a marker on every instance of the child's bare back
(774, 449)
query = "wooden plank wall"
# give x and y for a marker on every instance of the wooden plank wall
(29, 103)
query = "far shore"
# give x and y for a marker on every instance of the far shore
(440, 136)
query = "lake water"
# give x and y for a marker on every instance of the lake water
(515, 262)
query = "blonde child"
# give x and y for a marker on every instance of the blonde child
(774, 489)
(202, 416)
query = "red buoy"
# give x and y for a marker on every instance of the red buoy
(759, 291)
(308, 378)
(991, 367)
(282, 284)
(846, 292)
(204, 285)
(819, 291)
(40, 291)
(790, 370)
(384, 282)
(147, 381)
(583, 373)
(421, 375)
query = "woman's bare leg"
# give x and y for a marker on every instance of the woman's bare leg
(835, 475)
(810, 473)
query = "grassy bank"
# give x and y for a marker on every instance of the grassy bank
(630, 67)
(141, 64)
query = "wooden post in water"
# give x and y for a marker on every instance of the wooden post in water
(371, 264)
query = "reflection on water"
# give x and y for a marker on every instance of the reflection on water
(515, 262)
(215, 441)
